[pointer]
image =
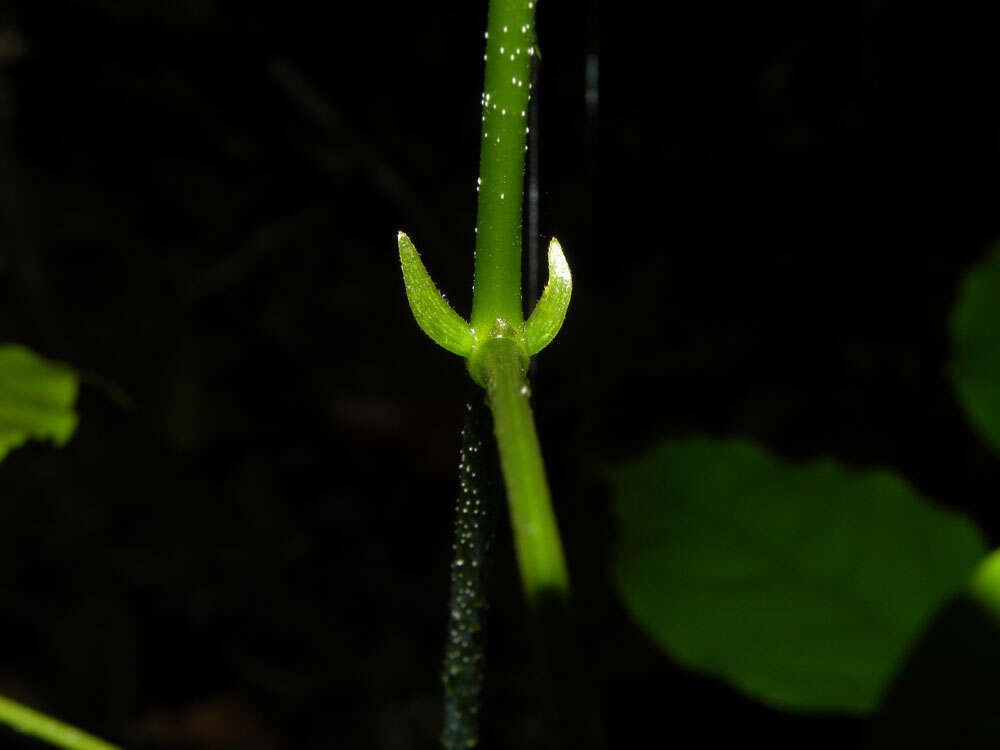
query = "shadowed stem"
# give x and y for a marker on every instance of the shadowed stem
(473, 546)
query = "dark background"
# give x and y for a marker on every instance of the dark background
(767, 213)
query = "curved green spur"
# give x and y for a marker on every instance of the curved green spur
(550, 312)
(433, 313)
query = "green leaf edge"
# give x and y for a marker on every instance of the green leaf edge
(972, 385)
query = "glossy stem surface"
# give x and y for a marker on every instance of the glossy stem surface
(509, 50)
(536, 536)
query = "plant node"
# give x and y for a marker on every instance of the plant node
(452, 332)
(502, 335)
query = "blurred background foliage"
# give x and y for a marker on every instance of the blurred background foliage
(36, 399)
(768, 209)
(976, 365)
(804, 585)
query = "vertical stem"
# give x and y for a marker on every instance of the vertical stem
(536, 536)
(464, 651)
(509, 49)
(499, 360)
(532, 234)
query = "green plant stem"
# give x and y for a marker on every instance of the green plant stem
(536, 536)
(509, 49)
(500, 357)
(53, 731)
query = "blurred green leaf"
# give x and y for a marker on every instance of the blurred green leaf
(985, 586)
(975, 328)
(803, 585)
(36, 399)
